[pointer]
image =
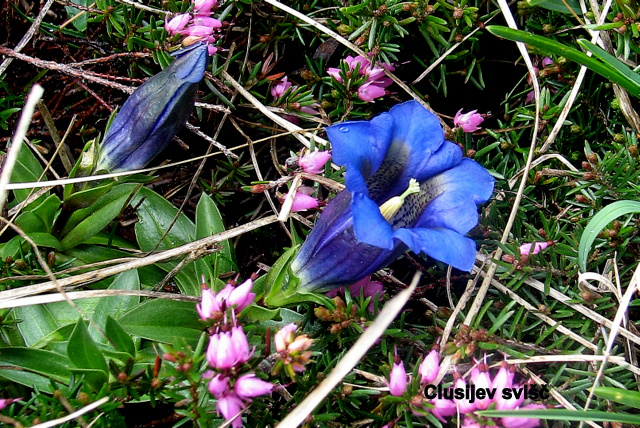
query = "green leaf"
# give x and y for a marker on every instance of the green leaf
(36, 322)
(283, 285)
(29, 222)
(551, 46)
(155, 215)
(164, 321)
(45, 240)
(209, 222)
(34, 367)
(47, 211)
(95, 378)
(116, 306)
(118, 337)
(82, 350)
(609, 59)
(27, 169)
(599, 221)
(81, 21)
(557, 5)
(60, 335)
(622, 396)
(257, 313)
(97, 216)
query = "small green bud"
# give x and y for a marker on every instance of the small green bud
(615, 104)
(575, 129)
(345, 29)
(618, 138)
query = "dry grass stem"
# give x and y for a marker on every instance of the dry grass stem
(6, 297)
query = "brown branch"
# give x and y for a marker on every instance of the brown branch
(66, 69)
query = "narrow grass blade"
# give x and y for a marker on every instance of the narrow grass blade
(598, 222)
(548, 45)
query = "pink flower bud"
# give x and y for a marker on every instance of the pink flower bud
(302, 202)
(220, 353)
(503, 379)
(375, 73)
(546, 62)
(211, 50)
(206, 21)
(313, 162)
(4, 402)
(223, 295)
(464, 404)
(177, 23)
(208, 304)
(285, 336)
(219, 386)
(204, 7)
(197, 30)
(241, 296)
(518, 422)
(353, 62)
(335, 73)
(281, 88)
(240, 345)
(483, 381)
(229, 406)
(310, 109)
(430, 367)
(468, 122)
(369, 91)
(248, 386)
(300, 343)
(442, 408)
(398, 380)
(526, 249)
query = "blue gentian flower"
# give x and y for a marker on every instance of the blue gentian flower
(407, 188)
(154, 113)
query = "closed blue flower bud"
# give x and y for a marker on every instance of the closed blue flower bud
(154, 113)
(407, 188)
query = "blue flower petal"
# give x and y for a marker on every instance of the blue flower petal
(191, 67)
(420, 130)
(418, 150)
(369, 224)
(361, 148)
(451, 210)
(444, 245)
(459, 190)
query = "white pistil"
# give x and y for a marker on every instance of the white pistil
(392, 206)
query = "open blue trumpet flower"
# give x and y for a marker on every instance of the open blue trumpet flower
(407, 188)
(154, 113)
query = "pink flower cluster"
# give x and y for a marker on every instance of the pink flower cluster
(281, 88)
(198, 24)
(214, 305)
(468, 122)
(443, 407)
(376, 81)
(292, 351)
(534, 248)
(229, 350)
(312, 163)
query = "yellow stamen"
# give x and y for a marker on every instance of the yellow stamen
(392, 206)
